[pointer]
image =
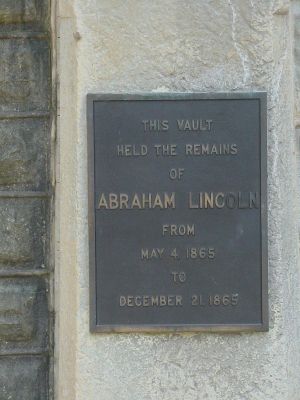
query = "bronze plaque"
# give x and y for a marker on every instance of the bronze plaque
(178, 212)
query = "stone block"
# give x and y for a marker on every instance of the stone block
(27, 13)
(24, 75)
(23, 237)
(24, 153)
(23, 315)
(23, 378)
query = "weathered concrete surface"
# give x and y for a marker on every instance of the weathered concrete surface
(17, 11)
(141, 45)
(25, 97)
(24, 75)
(25, 14)
(23, 234)
(23, 378)
(24, 326)
(24, 154)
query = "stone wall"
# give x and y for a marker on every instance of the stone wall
(171, 45)
(25, 197)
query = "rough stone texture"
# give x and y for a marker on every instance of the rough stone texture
(23, 378)
(23, 233)
(28, 14)
(214, 45)
(296, 14)
(17, 11)
(25, 96)
(23, 315)
(296, 9)
(24, 75)
(24, 154)
(297, 141)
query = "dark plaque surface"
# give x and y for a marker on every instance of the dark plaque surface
(177, 212)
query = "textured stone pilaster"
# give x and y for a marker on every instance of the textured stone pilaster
(24, 15)
(25, 196)
(24, 154)
(24, 378)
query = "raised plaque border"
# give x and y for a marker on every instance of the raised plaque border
(171, 328)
